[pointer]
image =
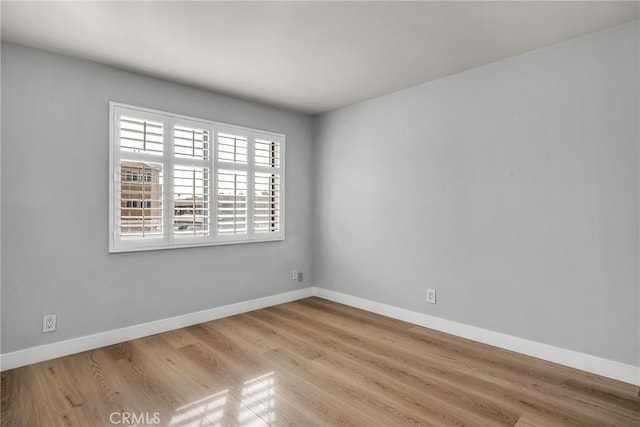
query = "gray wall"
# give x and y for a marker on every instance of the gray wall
(512, 189)
(55, 195)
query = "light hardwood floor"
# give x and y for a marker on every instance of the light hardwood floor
(307, 363)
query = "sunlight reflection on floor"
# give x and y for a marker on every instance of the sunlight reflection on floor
(191, 415)
(258, 402)
(258, 397)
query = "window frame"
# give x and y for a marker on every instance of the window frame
(169, 238)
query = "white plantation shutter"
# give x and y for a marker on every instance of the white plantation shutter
(190, 142)
(139, 177)
(138, 135)
(249, 185)
(191, 200)
(232, 202)
(232, 148)
(232, 185)
(266, 208)
(191, 180)
(140, 200)
(180, 182)
(267, 185)
(267, 153)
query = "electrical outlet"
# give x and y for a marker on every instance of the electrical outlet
(49, 323)
(299, 276)
(294, 275)
(431, 296)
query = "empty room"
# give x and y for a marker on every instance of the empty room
(320, 213)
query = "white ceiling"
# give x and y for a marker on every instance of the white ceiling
(307, 56)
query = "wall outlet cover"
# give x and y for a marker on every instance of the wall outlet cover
(49, 323)
(431, 296)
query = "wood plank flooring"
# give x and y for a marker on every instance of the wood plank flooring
(310, 363)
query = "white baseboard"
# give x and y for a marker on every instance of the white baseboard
(76, 345)
(585, 362)
(596, 365)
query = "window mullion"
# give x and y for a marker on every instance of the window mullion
(250, 183)
(168, 184)
(213, 185)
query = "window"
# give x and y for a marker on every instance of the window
(131, 176)
(181, 182)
